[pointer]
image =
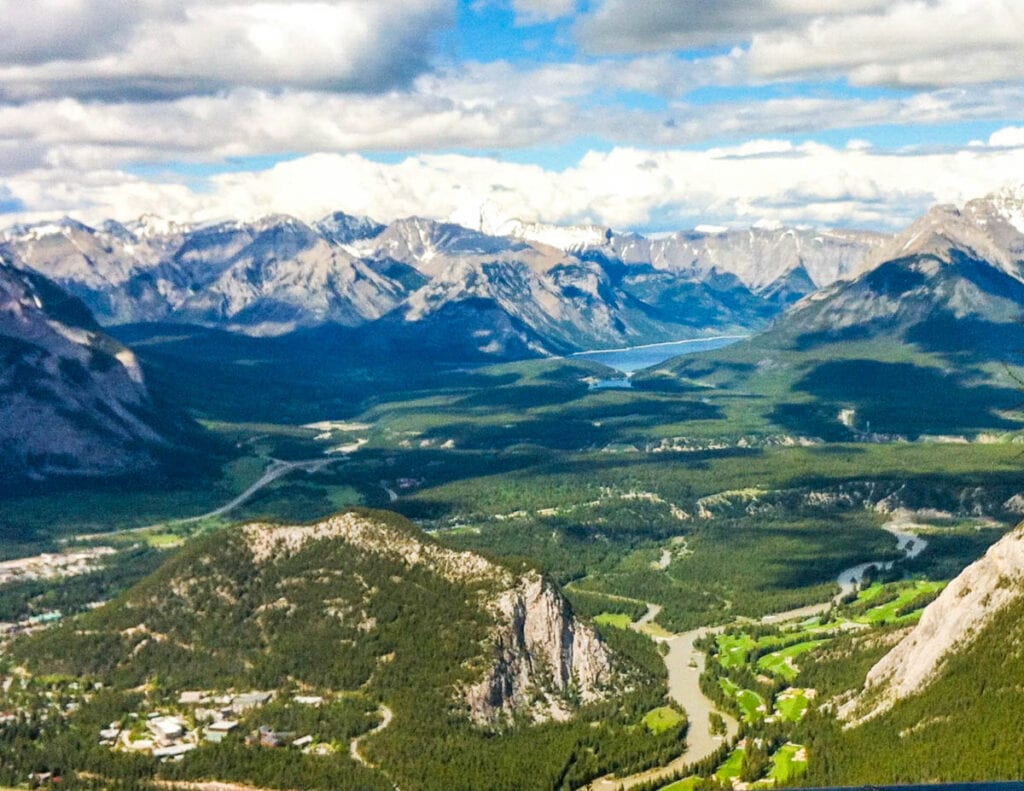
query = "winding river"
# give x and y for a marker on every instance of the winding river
(685, 663)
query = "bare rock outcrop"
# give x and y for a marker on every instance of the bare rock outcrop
(948, 624)
(539, 660)
(545, 660)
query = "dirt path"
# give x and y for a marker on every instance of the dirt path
(386, 715)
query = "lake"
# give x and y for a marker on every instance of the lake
(636, 357)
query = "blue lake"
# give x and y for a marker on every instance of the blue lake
(637, 357)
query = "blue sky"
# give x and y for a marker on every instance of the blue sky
(630, 113)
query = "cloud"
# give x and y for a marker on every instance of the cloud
(1010, 136)
(951, 42)
(929, 43)
(149, 49)
(762, 180)
(530, 12)
(480, 107)
(627, 26)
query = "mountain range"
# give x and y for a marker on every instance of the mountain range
(426, 291)
(507, 293)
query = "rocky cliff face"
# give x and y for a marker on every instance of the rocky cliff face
(73, 402)
(948, 625)
(760, 258)
(545, 659)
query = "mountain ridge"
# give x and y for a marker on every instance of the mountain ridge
(577, 289)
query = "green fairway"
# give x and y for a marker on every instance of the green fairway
(791, 704)
(895, 611)
(781, 663)
(663, 718)
(732, 767)
(733, 649)
(788, 763)
(752, 705)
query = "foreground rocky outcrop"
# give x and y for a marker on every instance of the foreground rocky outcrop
(948, 625)
(545, 658)
(540, 661)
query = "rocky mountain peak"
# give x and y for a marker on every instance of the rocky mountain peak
(342, 228)
(987, 229)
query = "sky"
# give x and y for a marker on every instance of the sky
(647, 115)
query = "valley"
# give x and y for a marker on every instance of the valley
(491, 564)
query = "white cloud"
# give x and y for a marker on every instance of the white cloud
(482, 107)
(623, 26)
(180, 47)
(774, 181)
(529, 12)
(1010, 136)
(950, 42)
(897, 42)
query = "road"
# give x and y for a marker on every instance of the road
(276, 469)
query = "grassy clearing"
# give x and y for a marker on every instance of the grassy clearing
(890, 612)
(655, 630)
(163, 540)
(781, 663)
(663, 718)
(752, 706)
(732, 767)
(791, 704)
(788, 763)
(733, 649)
(617, 619)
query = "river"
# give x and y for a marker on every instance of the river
(685, 663)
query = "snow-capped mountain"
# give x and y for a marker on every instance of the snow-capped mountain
(953, 279)
(274, 274)
(573, 238)
(341, 228)
(759, 258)
(288, 275)
(561, 288)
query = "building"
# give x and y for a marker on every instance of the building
(172, 752)
(215, 732)
(166, 729)
(250, 700)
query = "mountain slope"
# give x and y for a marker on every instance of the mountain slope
(478, 676)
(321, 605)
(276, 272)
(946, 703)
(547, 289)
(918, 345)
(759, 258)
(73, 402)
(949, 625)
